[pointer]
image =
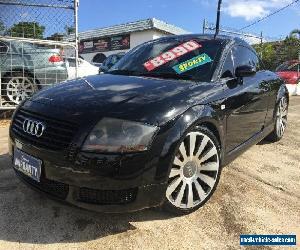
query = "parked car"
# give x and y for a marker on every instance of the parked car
(110, 61)
(84, 68)
(155, 130)
(26, 68)
(98, 65)
(290, 72)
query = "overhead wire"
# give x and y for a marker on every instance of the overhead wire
(269, 15)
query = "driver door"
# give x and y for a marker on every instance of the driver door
(247, 100)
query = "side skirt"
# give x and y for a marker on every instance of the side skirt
(233, 154)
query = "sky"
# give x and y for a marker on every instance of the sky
(189, 14)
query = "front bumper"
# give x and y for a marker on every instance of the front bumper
(104, 183)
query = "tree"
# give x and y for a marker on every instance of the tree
(56, 37)
(27, 30)
(275, 53)
(291, 48)
(267, 53)
(69, 29)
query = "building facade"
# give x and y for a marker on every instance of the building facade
(95, 45)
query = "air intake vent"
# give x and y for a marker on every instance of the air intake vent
(107, 197)
(57, 189)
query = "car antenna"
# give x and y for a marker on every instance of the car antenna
(218, 19)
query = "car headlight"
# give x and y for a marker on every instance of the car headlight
(119, 136)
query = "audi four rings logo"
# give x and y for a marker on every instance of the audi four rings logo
(33, 127)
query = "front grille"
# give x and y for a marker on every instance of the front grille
(107, 197)
(57, 135)
(54, 188)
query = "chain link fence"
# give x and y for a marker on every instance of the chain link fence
(252, 38)
(34, 53)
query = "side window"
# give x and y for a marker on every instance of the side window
(228, 69)
(106, 62)
(72, 62)
(114, 59)
(244, 56)
(3, 48)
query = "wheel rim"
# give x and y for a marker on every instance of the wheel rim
(281, 117)
(19, 88)
(194, 171)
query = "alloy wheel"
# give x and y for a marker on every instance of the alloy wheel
(194, 171)
(281, 117)
(19, 88)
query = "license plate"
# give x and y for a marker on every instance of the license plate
(27, 164)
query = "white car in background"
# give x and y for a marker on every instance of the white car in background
(84, 68)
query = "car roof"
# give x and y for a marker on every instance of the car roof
(224, 38)
(117, 54)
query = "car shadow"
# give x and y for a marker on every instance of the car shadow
(264, 142)
(28, 217)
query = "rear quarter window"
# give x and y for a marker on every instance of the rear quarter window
(3, 48)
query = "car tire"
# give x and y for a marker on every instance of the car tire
(280, 120)
(16, 87)
(195, 172)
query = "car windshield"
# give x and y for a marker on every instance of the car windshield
(188, 59)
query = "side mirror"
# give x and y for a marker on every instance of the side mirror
(245, 71)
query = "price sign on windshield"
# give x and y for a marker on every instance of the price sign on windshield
(171, 55)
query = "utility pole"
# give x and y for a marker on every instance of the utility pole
(218, 18)
(76, 5)
(204, 26)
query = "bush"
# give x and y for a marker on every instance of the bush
(275, 53)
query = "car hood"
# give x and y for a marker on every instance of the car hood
(144, 99)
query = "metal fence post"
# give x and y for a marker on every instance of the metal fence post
(204, 26)
(76, 5)
(261, 45)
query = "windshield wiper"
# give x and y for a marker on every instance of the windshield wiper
(168, 75)
(150, 74)
(123, 72)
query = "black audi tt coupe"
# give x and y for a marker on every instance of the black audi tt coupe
(155, 130)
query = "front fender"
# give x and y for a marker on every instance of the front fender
(177, 129)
